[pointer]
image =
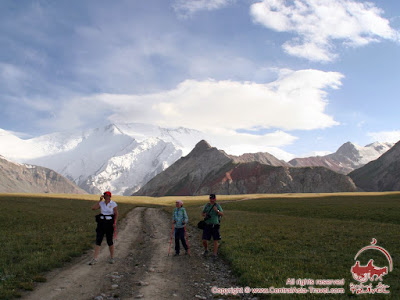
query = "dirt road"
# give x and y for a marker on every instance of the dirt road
(142, 269)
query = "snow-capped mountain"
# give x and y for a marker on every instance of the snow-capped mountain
(347, 158)
(382, 174)
(117, 157)
(123, 157)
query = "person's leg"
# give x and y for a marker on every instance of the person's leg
(110, 236)
(96, 251)
(111, 248)
(215, 252)
(216, 237)
(205, 245)
(177, 246)
(183, 240)
(206, 238)
(99, 239)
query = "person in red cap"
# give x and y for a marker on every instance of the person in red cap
(106, 223)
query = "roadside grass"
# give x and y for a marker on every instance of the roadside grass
(270, 240)
(38, 234)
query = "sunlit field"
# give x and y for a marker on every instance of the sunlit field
(270, 240)
(266, 240)
(39, 233)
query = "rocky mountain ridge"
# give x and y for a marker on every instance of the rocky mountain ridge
(209, 170)
(22, 178)
(347, 158)
(123, 157)
(261, 157)
(382, 174)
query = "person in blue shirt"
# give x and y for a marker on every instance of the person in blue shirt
(180, 219)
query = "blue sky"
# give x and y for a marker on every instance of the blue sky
(287, 77)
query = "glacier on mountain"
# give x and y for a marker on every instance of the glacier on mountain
(117, 157)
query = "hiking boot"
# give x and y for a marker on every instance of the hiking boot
(205, 253)
(176, 254)
(92, 262)
(214, 257)
(186, 252)
(111, 261)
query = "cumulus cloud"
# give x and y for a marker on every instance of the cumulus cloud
(237, 116)
(185, 8)
(385, 136)
(295, 101)
(317, 24)
(236, 143)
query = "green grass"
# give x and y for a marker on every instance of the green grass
(266, 240)
(270, 240)
(38, 234)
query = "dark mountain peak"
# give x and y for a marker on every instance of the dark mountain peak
(382, 174)
(203, 144)
(393, 154)
(261, 157)
(200, 148)
(207, 169)
(24, 178)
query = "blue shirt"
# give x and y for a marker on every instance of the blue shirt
(180, 216)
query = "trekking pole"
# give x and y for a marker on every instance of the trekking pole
(187, 240)
(172, 231)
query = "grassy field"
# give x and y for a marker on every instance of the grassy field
(39, 233)
(266, 240)
(270, 240)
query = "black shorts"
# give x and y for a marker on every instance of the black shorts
(105, 227)
(211, 231)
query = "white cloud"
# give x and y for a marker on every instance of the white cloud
(314, 153)
(318, 23)
(223, 110)
(185, 8)
(236, 143)
(361, 124)
(295, 101)
(310, 51)
(75, 112)
(385, 136)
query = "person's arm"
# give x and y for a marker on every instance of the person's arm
(115, 216)
(97, 205)
(173, 217)
(203, 213)
(185, 217)
(218, 210)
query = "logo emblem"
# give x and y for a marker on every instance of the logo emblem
(370, 272)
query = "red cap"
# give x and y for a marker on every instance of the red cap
(107, 193)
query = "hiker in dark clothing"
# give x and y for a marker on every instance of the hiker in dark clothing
(212, 212)
(180, 219)
(107, 222)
